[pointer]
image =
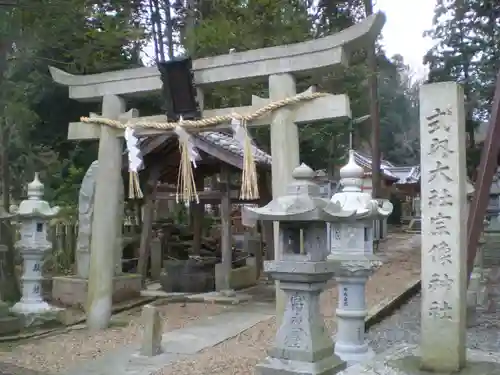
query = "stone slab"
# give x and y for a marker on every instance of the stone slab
(386, 307)
(211, 331)
(221, 298)
(124, 361)
(72, 290)
(154, 290)
(405, 360)
(176, 345)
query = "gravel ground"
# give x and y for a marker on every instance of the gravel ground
(239, 355)
(55, 354)
(236, 356)
(404, 326)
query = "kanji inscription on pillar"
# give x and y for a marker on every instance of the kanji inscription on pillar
(443, 191)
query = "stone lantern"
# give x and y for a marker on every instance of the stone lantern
(352, 251)
(33, 214)
(303, 344)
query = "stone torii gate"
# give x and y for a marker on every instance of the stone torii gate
(279, 66)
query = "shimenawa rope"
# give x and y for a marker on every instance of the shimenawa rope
(249, 186)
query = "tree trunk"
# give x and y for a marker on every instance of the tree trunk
(169, 29)
(374, 110)
(9, 288)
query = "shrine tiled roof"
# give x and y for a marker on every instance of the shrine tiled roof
(407, 175)
(221, 141)
(227, 142)
(399, 174)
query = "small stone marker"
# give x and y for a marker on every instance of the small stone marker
(443, 186)
(153, 329)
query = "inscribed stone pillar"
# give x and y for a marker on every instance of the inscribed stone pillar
(443, 186)
(106, 214)
(285, 157)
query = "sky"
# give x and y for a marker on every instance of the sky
(402, 33)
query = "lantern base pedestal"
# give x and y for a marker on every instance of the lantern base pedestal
(276, 366)
(354, 354)
(302, 345)
(36, 313)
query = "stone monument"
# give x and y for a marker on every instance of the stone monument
(302, 345)
(85, 215)
(34, 214)
(352, 248)
(72, 290)
(444, 270)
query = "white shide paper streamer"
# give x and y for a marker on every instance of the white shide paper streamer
(184, 136)
(134, 154)
(239, 133)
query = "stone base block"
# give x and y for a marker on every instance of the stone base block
(415, 225)
(10, 324)
(355, 354)
(187, 276)
(406, 361)
(240, 278)
(274, 366)
(72, 290)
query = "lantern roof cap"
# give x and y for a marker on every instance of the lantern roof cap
(301, 202)
(353, 199)
(351, 170)
(35, 206)
(35, 188)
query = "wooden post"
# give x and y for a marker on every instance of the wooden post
(225, 218)
(486, 170)
(147, 224)
(266, 227)
(197, 212)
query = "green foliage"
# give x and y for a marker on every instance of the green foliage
(466, 51)
(399, 118)
(82, 37)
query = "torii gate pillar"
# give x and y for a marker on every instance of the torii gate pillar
(106, 212)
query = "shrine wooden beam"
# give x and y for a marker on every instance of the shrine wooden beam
(328, 107)
(207, 197)
(487, 167)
